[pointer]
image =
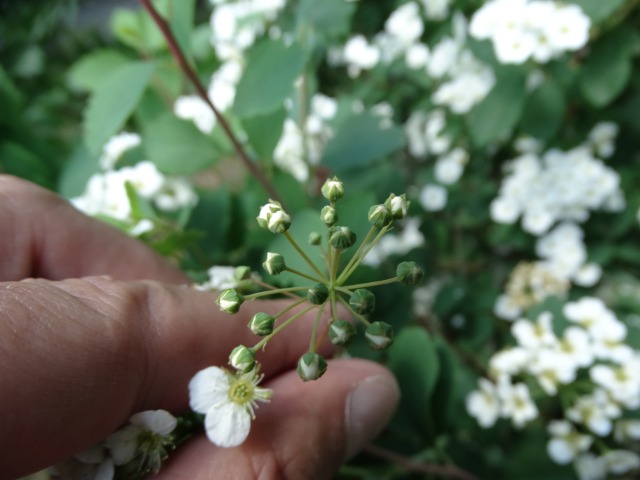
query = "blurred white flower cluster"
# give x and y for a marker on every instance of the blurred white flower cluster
(524, 29)
(401, 243)
(106, 191)
(235, 25)
(593, 373)
(141, 445)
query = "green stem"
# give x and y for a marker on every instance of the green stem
(304, 255)
(353, 258)
(357, 315)
(304, 275)
(372, 284)
(281, 327)
(289, 307)
(347, 273)
(274, 292)
(314, 332)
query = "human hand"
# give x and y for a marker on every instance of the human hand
(80, 353)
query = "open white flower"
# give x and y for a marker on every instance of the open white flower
(228, 402)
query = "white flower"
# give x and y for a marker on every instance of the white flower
(228, 402)
(116, 146)
(405, 24)
(568, 28)
(534, 336)
(516, 403)
(436, 9)
(220, 278)
(145, 438)
(622, 382)
(619, 462)
(483, 404)
(565, 442)
(433, 197)
(192, 107)
(509, 362)
(175, 193)
(595, 411)
(590, 467)
(360, 55)
(449, 167)
(506, 308)
(417, 56)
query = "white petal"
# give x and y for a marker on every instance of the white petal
(158, 421)
(227, 425)
(105, 471)
(123, 443)
(208, 388)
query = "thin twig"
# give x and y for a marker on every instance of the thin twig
(450, 471)
(202, 93)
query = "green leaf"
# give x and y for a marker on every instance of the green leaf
(91, 70)
(114, 101)
(264, 131)
(607, 70)
(413, 358)
(17, 160)
(495, 116)
(544, 110)
(599, 10)
(215, 228)
(359, 141)
(10, 98)
(181, 15)
(177, 147)
(76, 172)
(329, 18)
(272, 68)
(137, 29)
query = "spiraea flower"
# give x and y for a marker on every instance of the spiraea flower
(228, 401)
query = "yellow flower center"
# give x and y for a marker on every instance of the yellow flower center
(241, 391)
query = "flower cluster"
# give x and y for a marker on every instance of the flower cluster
(109, 192)
(590, 369)
(137, 448)
(524, 29)
(229, 399)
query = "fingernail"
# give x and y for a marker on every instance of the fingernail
(368, 409)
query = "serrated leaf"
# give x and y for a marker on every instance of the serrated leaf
(599, 10)
(114, 101)
(91, 70)
(607, 69)
(496, 115)
(272, 68)
(360, 140)
(177, 147)
(544, 110)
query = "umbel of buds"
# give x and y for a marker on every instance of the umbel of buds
(324, 289)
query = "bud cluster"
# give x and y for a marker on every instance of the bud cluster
(329, 291)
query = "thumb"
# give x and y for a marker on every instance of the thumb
(307, 431)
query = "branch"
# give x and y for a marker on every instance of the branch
(202, 93)
(450, 471)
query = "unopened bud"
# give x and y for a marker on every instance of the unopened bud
(409, 273)
(311, 366)
(318, 294)
(333, 189)
(242, 273)
(266, 211)
(397, 205)
(328, 215)
(279, 222)
(380, 216)
(274, 264)
(262, 324)
(341, 237)
(242, 358)
(362, 301)
(341, 332)
(230, 300)
(315, 238)
(379, 335)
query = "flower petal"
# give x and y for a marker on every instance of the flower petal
(123, 443)
(207, 388)
(227, 425)
(158, 421)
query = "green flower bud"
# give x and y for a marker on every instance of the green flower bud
(274, 263)
(311, 366)
(328, 215)
(333, 189)
(380, 216)
(363, 301)
(341, 332)
(273, 218)
(318, 294)
(409, 273)
(379, 335)
(262, 324)
(397, 205)
(242, 358)
(242, 273)
(315, 238)
(341, 237)
(230, 300)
